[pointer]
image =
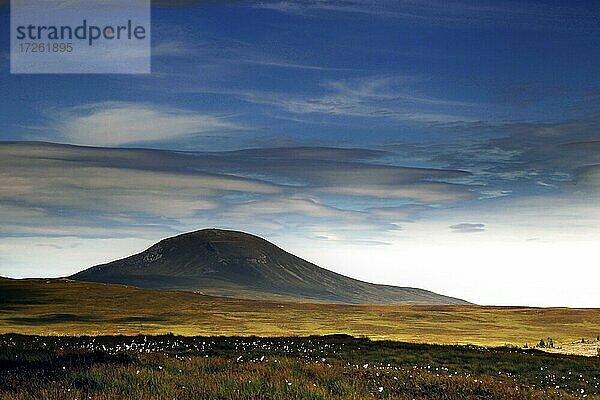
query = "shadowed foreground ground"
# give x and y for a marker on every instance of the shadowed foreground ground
(325, 367)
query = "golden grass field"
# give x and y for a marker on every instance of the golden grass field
(61, 307)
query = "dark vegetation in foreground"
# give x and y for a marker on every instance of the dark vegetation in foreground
(319, 367)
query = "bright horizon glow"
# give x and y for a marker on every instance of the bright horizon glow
(534, 276)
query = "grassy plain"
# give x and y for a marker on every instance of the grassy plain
(61, 307)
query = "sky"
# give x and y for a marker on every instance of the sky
(451, 146)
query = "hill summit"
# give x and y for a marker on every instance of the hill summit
(236, 264)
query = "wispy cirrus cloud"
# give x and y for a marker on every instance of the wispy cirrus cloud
(285, 64)
(391, 98)
(526, 15)
(237, 54)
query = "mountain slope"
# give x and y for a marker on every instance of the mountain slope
(236, 264)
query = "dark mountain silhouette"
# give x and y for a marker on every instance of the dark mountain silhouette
(236, 264)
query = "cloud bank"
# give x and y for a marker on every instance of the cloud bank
(58, 189)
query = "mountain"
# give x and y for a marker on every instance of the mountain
(237, 264)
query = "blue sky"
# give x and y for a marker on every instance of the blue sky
(447, 145)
